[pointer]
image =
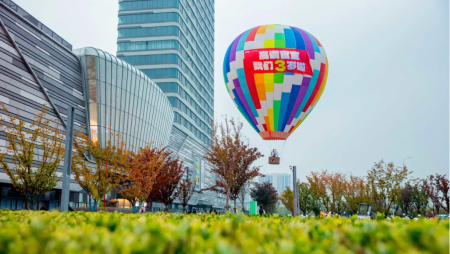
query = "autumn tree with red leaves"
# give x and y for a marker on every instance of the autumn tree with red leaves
(165, 188)
(139, 174)
(185, 191)
(405, 201)
(243, 174)
(442, 184)
(432, 193)
(231, 158)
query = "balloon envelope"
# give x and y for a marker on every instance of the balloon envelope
(275, 75)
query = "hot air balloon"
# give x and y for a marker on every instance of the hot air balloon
(275, 75)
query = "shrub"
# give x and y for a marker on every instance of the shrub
(82, 232)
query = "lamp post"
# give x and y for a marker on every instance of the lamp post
(67, 160)
(294, 173)
(405, 160)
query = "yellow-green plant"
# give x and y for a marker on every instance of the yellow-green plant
(101, 175)
(82, 232)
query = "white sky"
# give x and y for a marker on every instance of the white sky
(387, 95)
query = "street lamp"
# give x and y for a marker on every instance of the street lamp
(405, 160)
(294, 187)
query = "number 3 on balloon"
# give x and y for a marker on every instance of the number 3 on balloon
(281, 65)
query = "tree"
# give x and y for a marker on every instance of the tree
(335, 184)
(419, 197)
(315, 205)
(432, 192)
(166, 185)
(355, 191)
(231, 157)
(283, 211)
(385, 181)
(244, 192)
(287, 198)
(139, 174)
(185, 191)
(306, 200)
(243, 174)
(319, 189)
(405, 201)
(266, 196)
(32, 176)
(103, 173)
(442, 184)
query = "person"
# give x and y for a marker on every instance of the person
(261, 211)
(195, 211)
(211, 209)
(143, 207)
(274, 153)
(136, 204)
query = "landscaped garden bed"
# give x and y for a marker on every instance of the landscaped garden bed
(99, 232)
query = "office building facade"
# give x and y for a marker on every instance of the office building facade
(39, 69)
(172, 41)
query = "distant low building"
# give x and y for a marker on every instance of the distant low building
(279, 180)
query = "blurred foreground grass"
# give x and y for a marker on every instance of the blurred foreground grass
(84, 232)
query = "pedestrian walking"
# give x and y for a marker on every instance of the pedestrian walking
(143, 207)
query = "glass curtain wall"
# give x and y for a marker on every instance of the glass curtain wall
(174, 41)
(123, 100)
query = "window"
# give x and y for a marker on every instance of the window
(182, 121)
(149, 18)
(151, 59)
(154, 4)
(168, 87)
(161, 73)
(147, 45)
(148, 31)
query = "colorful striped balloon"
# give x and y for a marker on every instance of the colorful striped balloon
(275, 75)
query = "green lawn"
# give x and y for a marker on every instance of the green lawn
(83, 232)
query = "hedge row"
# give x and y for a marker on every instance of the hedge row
(83, 232)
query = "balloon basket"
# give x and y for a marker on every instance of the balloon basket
(274, 135)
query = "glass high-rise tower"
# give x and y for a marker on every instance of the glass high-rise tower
(172, 41)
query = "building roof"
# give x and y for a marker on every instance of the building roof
(21, 12)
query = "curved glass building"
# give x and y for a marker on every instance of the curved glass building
(123, 100)
(166, 98)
